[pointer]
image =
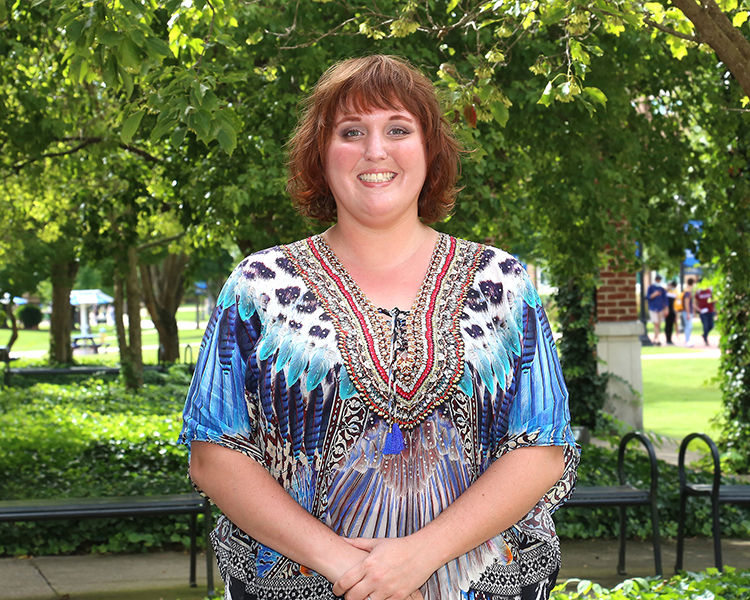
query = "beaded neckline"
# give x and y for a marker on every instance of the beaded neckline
(430, 365)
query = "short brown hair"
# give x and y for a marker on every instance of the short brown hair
(365, 84)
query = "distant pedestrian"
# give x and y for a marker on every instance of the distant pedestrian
(706, 309)
(688, 311)
(657, 306)
(669, 322)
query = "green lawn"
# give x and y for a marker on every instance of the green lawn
(38, 340)
(679, 396)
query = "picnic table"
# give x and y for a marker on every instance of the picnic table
(86, 343)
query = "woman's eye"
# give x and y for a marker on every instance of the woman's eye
(351, 133)
(399, 131)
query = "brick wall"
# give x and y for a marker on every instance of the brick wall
(616, 298)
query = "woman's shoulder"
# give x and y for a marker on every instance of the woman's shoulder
(494, 261)
(267, 269)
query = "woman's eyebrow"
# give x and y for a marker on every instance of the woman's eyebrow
(355, 117)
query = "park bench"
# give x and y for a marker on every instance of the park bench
(719, 494)
(625, 495)
(12, 511)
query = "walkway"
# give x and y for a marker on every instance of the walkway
(164, 575)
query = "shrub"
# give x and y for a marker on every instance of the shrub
(732, 584)
(30, 315)
(93, 439)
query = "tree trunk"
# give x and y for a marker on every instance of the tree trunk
(13, 325)
(63, 276)
(133, 295)
(716, 30)
(128, 297)
(163, 289)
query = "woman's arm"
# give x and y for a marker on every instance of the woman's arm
(502, 496)
(257, 504)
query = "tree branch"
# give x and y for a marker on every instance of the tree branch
(669, 31)
(160, 242)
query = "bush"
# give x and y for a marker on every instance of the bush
(93, 439)
(30, 315)
(732, 584)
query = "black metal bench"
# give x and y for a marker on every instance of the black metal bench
(719, 494)
(625, 495)
(73, 370)
(122, 506)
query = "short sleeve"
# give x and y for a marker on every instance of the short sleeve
(538, 412)
(219, 407)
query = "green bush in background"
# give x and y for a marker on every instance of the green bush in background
(30, 315)
(93, 439)
(711, 584)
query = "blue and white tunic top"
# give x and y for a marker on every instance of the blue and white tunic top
(374, 420)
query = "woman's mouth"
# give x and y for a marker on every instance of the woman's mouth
(375, 177)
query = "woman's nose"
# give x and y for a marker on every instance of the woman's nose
(376, 147)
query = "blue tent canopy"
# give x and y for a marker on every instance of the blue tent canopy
(89, 297)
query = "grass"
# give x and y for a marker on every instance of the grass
(38, 340)
(680, 396)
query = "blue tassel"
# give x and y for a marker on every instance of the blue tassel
(394, 441)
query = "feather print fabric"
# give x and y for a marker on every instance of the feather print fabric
(293, 372)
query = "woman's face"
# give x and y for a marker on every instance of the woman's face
(376, 166)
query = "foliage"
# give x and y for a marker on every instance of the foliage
(731, 584)
(30, 315)
(599, 467)
(93, 439)
(587, 388)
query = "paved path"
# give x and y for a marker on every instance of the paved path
(164, 575)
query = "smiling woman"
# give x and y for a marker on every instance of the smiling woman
(378, 410)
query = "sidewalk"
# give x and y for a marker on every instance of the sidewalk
(164, 576)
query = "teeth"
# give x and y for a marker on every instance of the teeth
(376, 177)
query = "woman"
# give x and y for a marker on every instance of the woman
(379, 411)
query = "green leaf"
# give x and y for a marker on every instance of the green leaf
(131, 126)
(74, 69)
(3, 11)
(131, 55)
(210, 101)
(157, 47)
(740, 18)
(203, 122)
(547, 95)
(227, 139)
(109, 38)
(162, 129)
(596, 95)
(177, 137)
(499, 113)
(451, 5)
(75, 29)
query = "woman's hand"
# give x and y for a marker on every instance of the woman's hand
(393, 570)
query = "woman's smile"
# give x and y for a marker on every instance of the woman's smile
(376, 165)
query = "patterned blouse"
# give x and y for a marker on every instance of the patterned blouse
(375, 421)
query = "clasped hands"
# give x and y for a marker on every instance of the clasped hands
(391, 570)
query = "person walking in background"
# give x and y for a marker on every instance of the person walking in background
(657, 306)
(705, 302)
(688, 311)
(669, 322)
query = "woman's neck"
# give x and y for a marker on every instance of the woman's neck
(388, 267)
(379, 250)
